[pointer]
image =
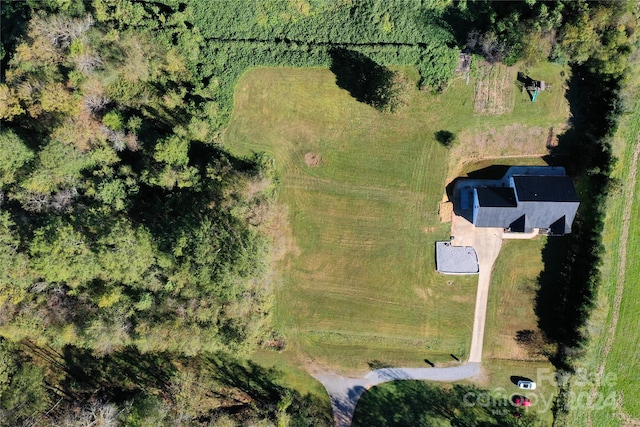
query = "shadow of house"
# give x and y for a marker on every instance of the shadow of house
(490, 172)
(366, 80)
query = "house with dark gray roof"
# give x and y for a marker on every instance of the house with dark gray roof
(522, 203)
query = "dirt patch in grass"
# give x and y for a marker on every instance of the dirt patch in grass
(445, 211)
(312, 160)
(279, 231)
(494, 90)
(514, 139)
(511, 141)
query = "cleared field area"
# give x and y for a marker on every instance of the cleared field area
(361, 191)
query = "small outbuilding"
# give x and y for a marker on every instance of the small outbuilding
(456, 259)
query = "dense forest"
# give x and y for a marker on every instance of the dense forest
(133, 265)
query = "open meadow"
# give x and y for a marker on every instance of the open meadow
(360, 192)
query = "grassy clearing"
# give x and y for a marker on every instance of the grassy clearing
(361, 190)
(361, 287)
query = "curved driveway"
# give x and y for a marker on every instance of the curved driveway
(345, 392)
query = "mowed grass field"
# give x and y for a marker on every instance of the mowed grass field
(623, 363)
(360, 190)
(359, 285)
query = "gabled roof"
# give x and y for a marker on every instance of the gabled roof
(530, 201)
(497, 197)
(537, 188)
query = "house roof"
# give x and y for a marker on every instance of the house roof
(536, 215)
(496, 197)
(537, 188)
(533, 201)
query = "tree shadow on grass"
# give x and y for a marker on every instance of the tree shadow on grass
(378, 364)
(445, 137)
(263, 386)
(366, 80)
(570, 277)
(416, 403)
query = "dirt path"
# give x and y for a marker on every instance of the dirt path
(622, 268)
(345, 392)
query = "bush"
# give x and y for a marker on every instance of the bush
(445, 137)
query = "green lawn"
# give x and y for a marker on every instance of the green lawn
(511, 310)
(360, 286)
(361, 192)
(512, 299)
(624, 361)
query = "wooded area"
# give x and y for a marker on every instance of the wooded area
(133, 265)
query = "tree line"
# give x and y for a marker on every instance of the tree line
(127, 232)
